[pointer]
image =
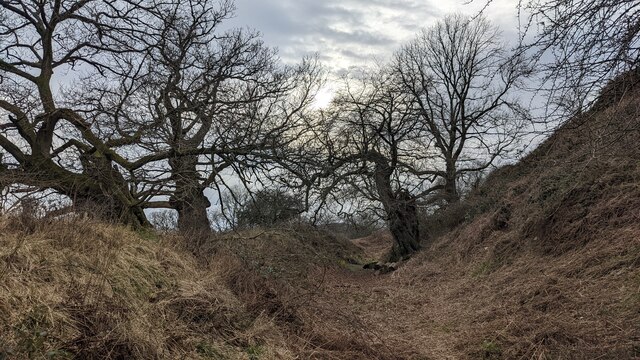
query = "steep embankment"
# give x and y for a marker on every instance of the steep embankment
(549, 249)
(541, 262)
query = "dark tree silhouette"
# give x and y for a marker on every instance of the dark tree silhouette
(401, 137)
(49, 143)
(461, 78)
(158, 104)
(268, 207)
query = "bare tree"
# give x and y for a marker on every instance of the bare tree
(158, 104)
(269, 207)
(371, 154)
(47, 144)
(222, 107)
(461, 78)
(403, 136)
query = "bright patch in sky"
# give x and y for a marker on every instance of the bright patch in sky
(323, 97)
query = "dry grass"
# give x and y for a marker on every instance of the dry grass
(75, 288)
(551, 269)
(375, 246)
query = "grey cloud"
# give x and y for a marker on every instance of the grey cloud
(353, 54)
(344, 32)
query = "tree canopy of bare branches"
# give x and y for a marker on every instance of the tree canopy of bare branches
(403, 136)
(132, 104)
(460, 78)
(580, 45)
(219, 105)
(46, 143)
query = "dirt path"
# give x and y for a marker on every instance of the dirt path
(394, 312)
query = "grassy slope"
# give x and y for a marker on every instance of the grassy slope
(541, 262)
(81, 289)
(544, 260)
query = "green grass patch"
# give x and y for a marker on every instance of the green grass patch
(490, 350)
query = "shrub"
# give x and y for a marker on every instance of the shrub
(269, 207)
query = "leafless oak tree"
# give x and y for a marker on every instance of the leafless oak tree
(46, 143)
(403, 136)
(375, 154)
(156, 103)
(461, 78)
(218, 104)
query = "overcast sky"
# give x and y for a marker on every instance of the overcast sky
(346, 33)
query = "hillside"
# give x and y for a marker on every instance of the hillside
(541, 262)
(79, 289)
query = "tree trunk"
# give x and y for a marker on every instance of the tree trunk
(106, 207)
(107, 195)
(401, 213)
(403, 224)
(188, 198)
(450, 185)
(100, 190)
(191, 205)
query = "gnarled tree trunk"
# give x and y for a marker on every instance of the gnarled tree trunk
(403, 224)
(402, 215)
(188, 198)
(450, 184)
(106, 195)
(100, 190)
